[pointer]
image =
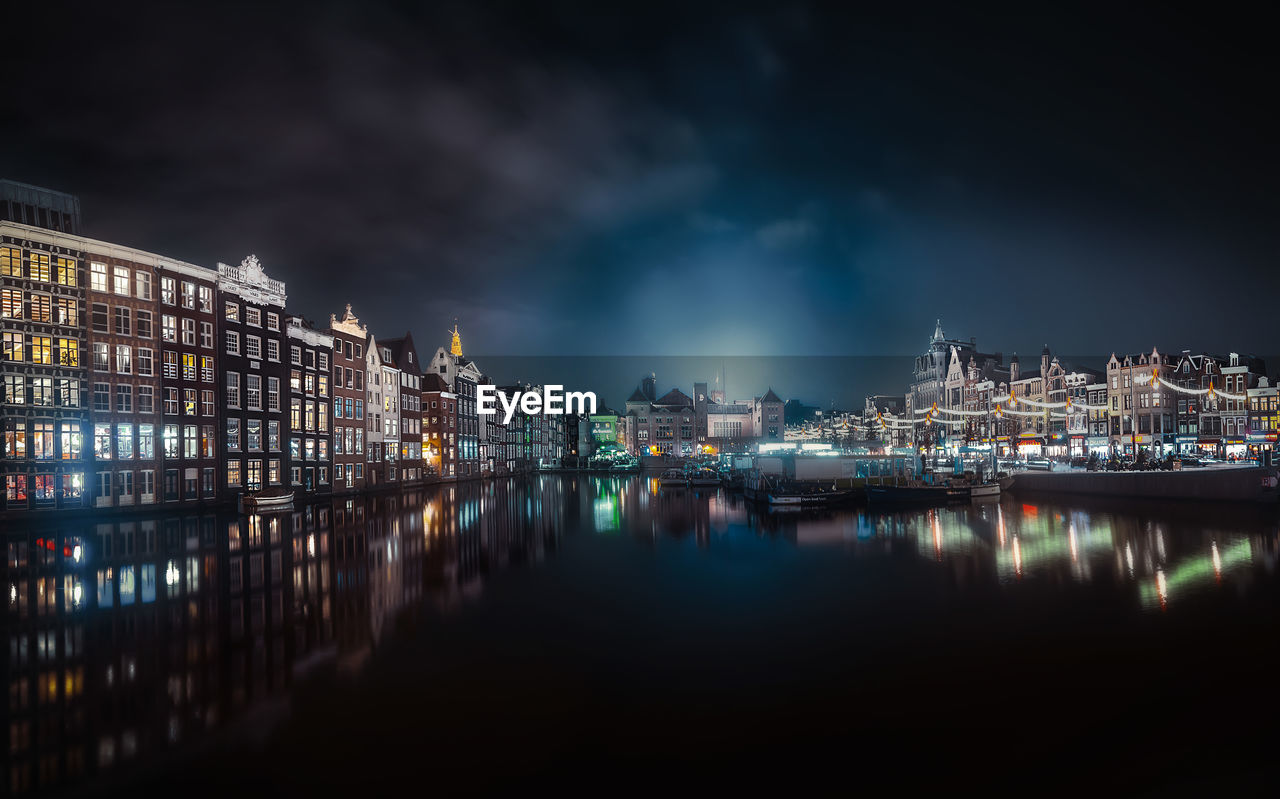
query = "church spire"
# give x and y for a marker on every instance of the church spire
(456, 347)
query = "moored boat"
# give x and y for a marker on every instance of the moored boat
(777, 493)
(264, 501)
(672, 477)
(912, 494)
(984, 491)
(704, 477)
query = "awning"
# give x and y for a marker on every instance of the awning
(1209, 440)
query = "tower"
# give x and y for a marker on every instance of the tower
(456, 347)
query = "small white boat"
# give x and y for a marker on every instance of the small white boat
(262, 501)
(984, 490)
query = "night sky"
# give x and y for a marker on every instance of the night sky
(751, 179)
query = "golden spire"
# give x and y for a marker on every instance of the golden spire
(456, 347)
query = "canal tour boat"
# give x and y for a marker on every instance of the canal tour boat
(672, 477)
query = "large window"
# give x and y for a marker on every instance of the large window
(253, 391)
(233, 390)
(10, 304)
(67, 271)
(15, 391)
(146, 441)
(40, 266)
(102, 397)
(10, 262)
(124, 441)
(68, 352)
(42, 349)
(67, 311)
(124, 359)
(42, 391)
(171, 441)
(42, 439)
(15, 439)
(120, 279)
(102, 441)
(72, 443)
(40, 308)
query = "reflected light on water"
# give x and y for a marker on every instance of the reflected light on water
(261, 599)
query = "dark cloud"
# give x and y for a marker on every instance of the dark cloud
(768, 179)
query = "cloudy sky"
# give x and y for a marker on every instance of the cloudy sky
(746, 179)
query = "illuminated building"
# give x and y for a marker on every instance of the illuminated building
(310, 435)
(440, 426)
(373, 413)
(131, 341)
(348, 453)
(253, 375)
(1140, 414)
(461, 376)
(1264, 423)
(185, 327)
(389, 384)
(44, 401)
(401, 354)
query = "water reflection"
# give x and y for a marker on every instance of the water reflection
(132, 637)
(1159, 550)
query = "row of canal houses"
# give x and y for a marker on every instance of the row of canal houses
(132, 379)
(1120, 408)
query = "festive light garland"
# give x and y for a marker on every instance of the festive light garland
(1211, 391)
(1002, 410)
(1038, 404)
(959, 412)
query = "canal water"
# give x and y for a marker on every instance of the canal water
(608, 635)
